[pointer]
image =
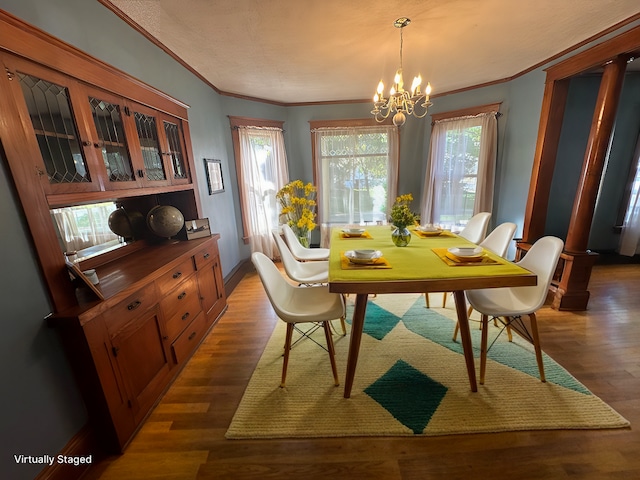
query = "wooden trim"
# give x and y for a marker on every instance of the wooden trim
(625, 43)
(346, 123)
(82, 444)
(255, 122)
(27, 41)
(178, 59)
(463, 112)
(236, 275)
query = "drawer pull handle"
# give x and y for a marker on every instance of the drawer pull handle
(182, 295)
(206, 255)
(134, 305)
(193, 334)
(185, 316)
(177, 275)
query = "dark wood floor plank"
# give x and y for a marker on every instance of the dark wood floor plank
(600, 347)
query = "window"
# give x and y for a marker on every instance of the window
(85, 229)
(461, 166)
(355, 166)
(630, 238)
(261, 163)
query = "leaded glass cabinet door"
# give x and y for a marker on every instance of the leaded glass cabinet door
(176, 151)
(64, 164)
(152, 169)
(111, 140)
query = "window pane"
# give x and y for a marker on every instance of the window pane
(355, 169)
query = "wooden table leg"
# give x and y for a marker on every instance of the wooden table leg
(465, 336)
(357, 324)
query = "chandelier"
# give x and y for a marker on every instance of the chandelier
(400, 101)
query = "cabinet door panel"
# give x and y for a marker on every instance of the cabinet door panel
(143, 361)
(111, 142)
(175, 150)
(45, 101)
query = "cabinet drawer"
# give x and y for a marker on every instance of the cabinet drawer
(189, 339)
(189, 309)
(206, 255)
(128, 309)
(172, 278)
(175, 301)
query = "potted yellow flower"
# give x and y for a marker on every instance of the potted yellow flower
(401, 218)
(298, 205)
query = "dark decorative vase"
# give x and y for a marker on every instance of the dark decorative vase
(401, 236)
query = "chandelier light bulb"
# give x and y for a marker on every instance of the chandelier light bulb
(400, 102)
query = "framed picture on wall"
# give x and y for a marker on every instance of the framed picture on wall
(214, 175)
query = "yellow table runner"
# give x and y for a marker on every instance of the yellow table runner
(416, 261)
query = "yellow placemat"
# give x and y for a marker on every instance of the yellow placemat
(345, 264)
(355, 235)
(455, 261)
(442, 234)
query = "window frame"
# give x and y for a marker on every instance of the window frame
(235, 123)
(314, 125)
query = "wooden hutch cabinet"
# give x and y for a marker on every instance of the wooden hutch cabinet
(76, 131)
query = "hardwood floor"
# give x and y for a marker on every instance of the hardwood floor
(184, 437)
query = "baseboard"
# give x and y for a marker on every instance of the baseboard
(81, 447)
(233, 279)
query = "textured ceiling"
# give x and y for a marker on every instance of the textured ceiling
(294, 51)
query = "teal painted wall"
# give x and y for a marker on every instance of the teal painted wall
(41, 408)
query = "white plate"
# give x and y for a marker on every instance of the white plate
(353, 231)
(351, 256)
(428, 229)
(465, 251)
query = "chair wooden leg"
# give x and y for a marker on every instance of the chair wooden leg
(470, 311)
(426, 299)
(332, 352)
(287, 350)
(444, 299)
(455, 332)
(536, 345)
(509, 334)
(483, 346)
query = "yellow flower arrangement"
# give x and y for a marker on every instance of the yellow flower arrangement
(401, 214)
(298, 205)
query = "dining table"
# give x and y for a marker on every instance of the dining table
(425, 265)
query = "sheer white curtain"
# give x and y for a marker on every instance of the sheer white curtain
(630, 238)
(460, 169)
(264, 172)
(84, 226)
(356, 173)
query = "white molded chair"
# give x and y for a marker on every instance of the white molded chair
(497, 242)
(295, 305)
(302, 253)
(474, 231)
(511, 304)
(301, 272)
(305, 273)
(476, 227)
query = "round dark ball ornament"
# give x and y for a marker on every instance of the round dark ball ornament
(165, 220)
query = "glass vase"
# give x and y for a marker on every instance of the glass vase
(401, 236)
(304, 237)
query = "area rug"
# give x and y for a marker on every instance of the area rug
(411, 380)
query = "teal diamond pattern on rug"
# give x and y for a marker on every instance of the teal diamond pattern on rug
(433, 326)
(379, 322)
(408, 394)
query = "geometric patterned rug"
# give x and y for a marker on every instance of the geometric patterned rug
(411, 380)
